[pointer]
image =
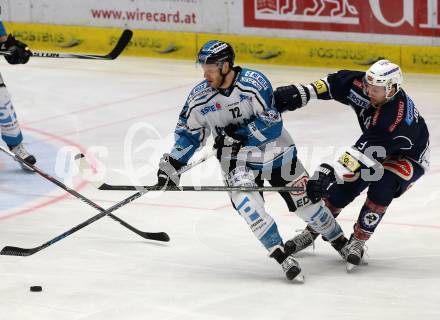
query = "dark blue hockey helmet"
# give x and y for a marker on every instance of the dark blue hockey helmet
(216, 52)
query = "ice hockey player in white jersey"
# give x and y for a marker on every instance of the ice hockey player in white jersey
(10, 128)
(236, 106)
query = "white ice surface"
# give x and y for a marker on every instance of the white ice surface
(213, 268)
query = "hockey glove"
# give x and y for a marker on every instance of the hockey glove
(229, 142)
(291, 97)
(318, 185)
(20, 52)
(167, 173)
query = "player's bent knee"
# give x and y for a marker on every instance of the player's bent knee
(250, 206)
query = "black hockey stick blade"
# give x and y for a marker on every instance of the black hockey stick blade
(120, 45)
(16, 251)
(24, 252)
(158, 236)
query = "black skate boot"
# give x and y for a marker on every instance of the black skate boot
(340, 245)
(290, 266)
(301, 241)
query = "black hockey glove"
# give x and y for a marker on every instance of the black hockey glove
(20, 52)
(167, 173)
(291, 97)
(229, 143)
(318, 185)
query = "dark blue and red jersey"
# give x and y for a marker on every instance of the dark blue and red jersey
(396, 126)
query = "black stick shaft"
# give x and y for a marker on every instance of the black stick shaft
(160, 236)
(106, 186)
(15, 251)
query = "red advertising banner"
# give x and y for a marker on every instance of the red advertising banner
(400, 17)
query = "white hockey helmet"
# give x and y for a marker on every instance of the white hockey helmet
(386, 74)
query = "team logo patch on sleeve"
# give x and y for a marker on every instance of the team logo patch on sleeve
(358, 84)
(270, 117)
(349, 162)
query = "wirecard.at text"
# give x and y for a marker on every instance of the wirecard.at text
(142, 15)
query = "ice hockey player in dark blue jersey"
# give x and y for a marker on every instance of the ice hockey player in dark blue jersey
(10, 128)
(236, 106)
(390, 155)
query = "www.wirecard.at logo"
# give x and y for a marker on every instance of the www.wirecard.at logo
(141, 15)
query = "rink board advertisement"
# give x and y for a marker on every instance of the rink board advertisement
(249, 49)
(169, 15)
(148, 43)
(397, 17)
(384, 21)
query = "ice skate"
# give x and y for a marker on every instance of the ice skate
(300, 242)
(290, 266)
(340, 245)
(22, 153)
(355, 252)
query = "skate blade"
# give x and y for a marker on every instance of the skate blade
(349, 267)
(299, 279)
(26, 168)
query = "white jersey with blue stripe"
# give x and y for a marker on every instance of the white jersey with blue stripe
(248, 103)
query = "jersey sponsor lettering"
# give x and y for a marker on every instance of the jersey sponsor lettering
(302, 202)
(200, 91)
(399, 116)
(244, 97)
(376, 117)
(258, 78)
(409, 111)
(358, 84)
(211, 108)
(358, 100)
(252, 82)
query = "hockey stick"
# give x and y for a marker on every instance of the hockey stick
(85, 168)
(17, 251)
(159, 236)
(105, 186)
(120, 46)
